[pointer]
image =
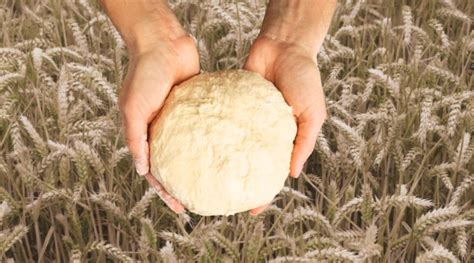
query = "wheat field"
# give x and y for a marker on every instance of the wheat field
(391, 178)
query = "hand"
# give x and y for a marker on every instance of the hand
(285, 53)
(151, 75)
(293, 70)
(161, 55)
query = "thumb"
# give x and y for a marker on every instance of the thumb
(255, 63)
(305, 141)
(136, 137)
(258, 210)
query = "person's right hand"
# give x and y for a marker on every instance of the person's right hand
(151, 75)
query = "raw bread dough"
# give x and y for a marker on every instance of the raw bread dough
(222, 142)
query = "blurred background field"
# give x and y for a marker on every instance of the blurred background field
(391, 178)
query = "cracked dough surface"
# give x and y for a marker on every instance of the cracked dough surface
(222, 142)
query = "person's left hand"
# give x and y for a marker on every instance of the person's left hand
(293, 69)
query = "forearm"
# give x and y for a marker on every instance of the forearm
(304, 22)
(142, 23)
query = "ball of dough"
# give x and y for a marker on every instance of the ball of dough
(222, 142)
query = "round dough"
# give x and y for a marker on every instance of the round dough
(222, 142)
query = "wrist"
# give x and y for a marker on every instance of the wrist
(145, 35)
(273, 47)
(143, 24)
(280, 43)
(299, 22)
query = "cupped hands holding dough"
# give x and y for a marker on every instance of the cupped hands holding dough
(162, 55)
(222, 142)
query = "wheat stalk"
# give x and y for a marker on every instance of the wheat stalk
(438, 27)
(62, 104)
(167, 253)
(111, 250)
(91, 156)
(407, 24)
(462, 241)
(5, 209)
(5, 196)
(356, 142)
(425, 117)
(348, 207)
(349, 235)
(321, 242)
(437, 253)
(386, 81)
(306, 213)
(79, 37)
(430, 218)
(254, 243)
(367, 203)
(455, 14)
(294, 193)
(467, 183)
(448, 225)
(48, 197)
(409, 157)
(108, 205)
(148, 238)
(49, 160)
(225, 243)
(9, 238)
(443, 74)
(76, 256)
(333, 254)
(183, 241)
(34, 135)
(140, 207)
(462, 151)
(404, 200)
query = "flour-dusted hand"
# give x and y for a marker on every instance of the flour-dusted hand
(285, 54)
(161, 55)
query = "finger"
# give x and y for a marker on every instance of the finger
(170, 201)
(255, 63)
(136, 136)
(258, 210)
(304, 143)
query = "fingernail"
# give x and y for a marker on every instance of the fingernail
(141, 167)
(298, 174)
(258, 210)
(298, 171)
(254, 213)
(141, 162)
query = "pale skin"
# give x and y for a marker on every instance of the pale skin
(162, 55)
